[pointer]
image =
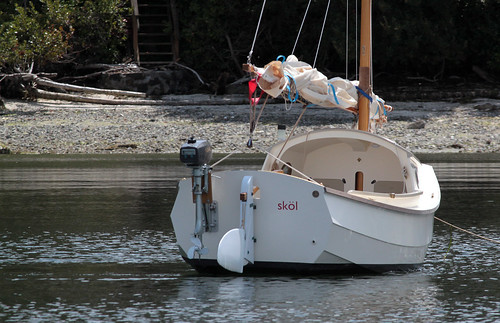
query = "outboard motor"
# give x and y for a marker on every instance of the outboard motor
(196, 154)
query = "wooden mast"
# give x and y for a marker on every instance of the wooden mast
(364, 77)
(364, 65)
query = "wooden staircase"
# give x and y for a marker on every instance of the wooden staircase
(154, 30)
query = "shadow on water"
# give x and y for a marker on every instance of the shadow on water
(90, 238)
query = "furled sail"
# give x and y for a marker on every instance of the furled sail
(293, 77)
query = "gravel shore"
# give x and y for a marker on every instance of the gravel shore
(56, 127)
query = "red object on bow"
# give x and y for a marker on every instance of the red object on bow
(252, 88)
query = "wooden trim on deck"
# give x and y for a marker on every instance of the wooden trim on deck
(379, 204)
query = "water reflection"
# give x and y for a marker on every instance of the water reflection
(324, 299)
(91, 239)
(468, 176)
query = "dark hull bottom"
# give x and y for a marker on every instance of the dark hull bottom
(212, 267)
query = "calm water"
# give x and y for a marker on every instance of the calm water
(90, 238)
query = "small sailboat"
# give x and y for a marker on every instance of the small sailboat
(327, 201)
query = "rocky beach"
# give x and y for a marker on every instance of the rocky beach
(59, 127)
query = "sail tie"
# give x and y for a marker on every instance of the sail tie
(330, 86)
(291, 79)
(363, 93)
(380, 104)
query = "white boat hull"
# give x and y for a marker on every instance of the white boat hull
(325, 233)
(301, 225)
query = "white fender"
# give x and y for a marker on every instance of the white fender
(236, 248)
(230, 251)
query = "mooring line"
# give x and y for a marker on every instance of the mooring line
(305, 176)
(222, 159)
(284, 163)
(466, 231)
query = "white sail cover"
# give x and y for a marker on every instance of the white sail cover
(278, 78)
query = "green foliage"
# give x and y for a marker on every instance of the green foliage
(35, 38)
(100, 30)
(431, 38)
(7, 8)
(52, 30)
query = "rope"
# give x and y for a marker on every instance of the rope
(281, 58)
(371, 50)
(284, 163)
(301, 25)
(364, 94)
(249, 57)
(321, 35)
(346, 39)
(466, 231)
(256, 120)
(380, 106)
(310, 178)
(330, 86)
(356, 41)
(222, 159)
(289, 88)
(293, 130)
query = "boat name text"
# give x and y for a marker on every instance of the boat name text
(288, 206)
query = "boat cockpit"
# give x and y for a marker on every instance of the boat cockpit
(346, 160)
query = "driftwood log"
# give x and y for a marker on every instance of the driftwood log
(42, 94)
(203, 100)
(75, 88)
(33, 84)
